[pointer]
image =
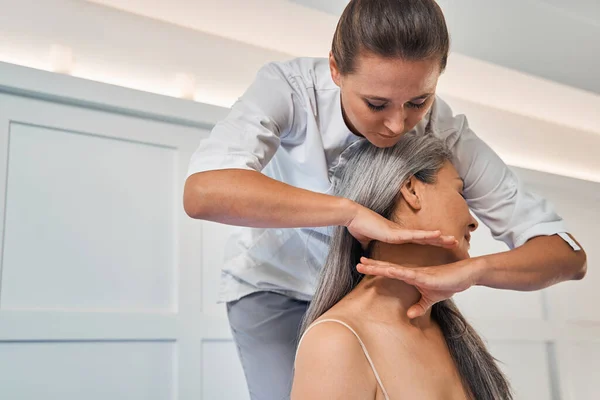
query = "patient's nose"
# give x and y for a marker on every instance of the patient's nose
(474, 224)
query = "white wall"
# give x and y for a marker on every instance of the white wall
(101, 273)
(533, 143)
(128, 50)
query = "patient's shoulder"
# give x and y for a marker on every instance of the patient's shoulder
(330, 358)
(331, 335)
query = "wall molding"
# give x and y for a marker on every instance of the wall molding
(65, 89)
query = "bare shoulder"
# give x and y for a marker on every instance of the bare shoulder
(330, 337)
(331, 364)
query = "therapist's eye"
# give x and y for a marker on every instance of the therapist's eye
(410, 104)
(374, 107)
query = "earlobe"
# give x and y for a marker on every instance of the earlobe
(410, 193)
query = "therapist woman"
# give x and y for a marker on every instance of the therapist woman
(269, 167)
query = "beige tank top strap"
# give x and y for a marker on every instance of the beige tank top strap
(362, 345)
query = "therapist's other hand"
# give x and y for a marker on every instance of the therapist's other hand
(366, 226)
(435, 283)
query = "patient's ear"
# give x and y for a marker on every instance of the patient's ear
(411, 192)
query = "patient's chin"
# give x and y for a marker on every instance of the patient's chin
(460, 255)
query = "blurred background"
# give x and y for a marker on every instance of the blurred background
(108, 290)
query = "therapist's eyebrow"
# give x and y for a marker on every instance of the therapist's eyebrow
(379, 98)
(421, 97)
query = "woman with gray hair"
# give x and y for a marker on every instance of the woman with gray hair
(358, 339)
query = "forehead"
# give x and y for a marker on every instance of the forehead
(394, 75)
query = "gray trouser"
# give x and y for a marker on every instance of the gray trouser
(265, 328)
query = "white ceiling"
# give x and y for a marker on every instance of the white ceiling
(273, 24)
(553, 39)
(586, 10)
(557, 40)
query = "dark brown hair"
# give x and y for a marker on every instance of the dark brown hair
(411, 30)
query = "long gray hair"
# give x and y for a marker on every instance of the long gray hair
(372, 178)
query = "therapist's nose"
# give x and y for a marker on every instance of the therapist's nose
(395, 123)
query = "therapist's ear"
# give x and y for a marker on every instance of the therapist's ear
(335, 72)
(411, 192)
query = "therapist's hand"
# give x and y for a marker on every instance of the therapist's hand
(435, 284)
(366, 226)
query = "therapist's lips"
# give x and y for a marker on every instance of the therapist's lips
(387, 136)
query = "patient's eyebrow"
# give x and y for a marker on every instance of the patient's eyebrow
(461, 181)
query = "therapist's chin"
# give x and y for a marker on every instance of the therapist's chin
(382, 140)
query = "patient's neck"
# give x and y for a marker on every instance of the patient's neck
(390, 298)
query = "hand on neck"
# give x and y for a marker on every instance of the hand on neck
(396, 296)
